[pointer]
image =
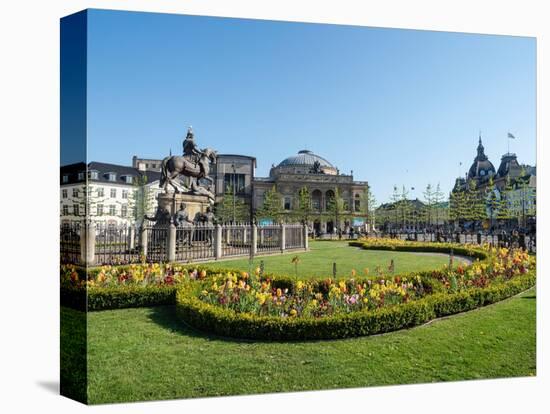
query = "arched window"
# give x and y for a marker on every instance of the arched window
(316, 197)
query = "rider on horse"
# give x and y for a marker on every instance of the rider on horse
(190, 149)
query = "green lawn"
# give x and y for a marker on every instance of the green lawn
(144, 354)
(317, 262)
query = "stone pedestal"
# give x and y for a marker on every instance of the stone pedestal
(193, 203)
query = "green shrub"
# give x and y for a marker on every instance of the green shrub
(226, 322)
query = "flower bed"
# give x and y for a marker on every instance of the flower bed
(135, 285)
(249, 306)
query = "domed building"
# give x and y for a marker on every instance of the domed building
(482, 169)
(513, 183)
(323, 180)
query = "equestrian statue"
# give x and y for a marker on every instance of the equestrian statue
(194, 166)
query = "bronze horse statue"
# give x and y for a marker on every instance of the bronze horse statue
(175, 165)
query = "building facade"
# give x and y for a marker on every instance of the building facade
(107, 193)
(323, 182)
(511, 188)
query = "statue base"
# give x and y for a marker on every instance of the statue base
(194, 204)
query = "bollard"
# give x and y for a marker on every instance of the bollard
(305, 236)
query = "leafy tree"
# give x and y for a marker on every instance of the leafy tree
(438, 199)
(429, 204)
(405, 207)
(305, 210)
(492, 200)
(337, 208)
(272, 206)
(141, 199)
(231, 208)
(504, 207)
(368, 206)
(395, 198)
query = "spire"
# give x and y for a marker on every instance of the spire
(480, 150)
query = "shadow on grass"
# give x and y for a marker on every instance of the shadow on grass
(532, 296)
(166, 317)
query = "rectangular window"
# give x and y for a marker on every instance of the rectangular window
(65, 178)
(76, 210)
(234, 180)
(75, 192)
(80, 176)
(100, 192)
(124, 211)
(125, 194)
(287, 203)
(113, 192)
(100, 209)
(64, 193)
(65, 210)
(112, 210)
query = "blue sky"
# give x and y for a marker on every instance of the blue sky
(395, 106)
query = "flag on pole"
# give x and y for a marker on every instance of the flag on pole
(510, 135)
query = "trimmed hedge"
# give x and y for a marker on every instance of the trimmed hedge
(117, 298)
(458, 249)
(226, 322)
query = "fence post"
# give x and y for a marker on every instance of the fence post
(283, 237)
(305, 236)
(218, 241)
(171, 247)
(254, 239)
(87, 244)
(131, 235)
(143, 239)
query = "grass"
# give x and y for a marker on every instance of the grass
(317, 262)
(144, 354)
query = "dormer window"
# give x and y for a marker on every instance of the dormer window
(129, 179)
(93, 175)
(65, 178)
(80, 176)
(111, 176)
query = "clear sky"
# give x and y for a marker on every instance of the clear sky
(398, 107)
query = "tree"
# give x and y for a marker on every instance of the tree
(492, 200)
(395, 198)
(141, 199)
(438, 199)
(368, 206)
(405, 207)
(272, 205)
(231, 208)
(504, 207)
(429, 203)
(337, 208)
(304, 211)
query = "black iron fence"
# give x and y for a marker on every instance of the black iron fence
(102, 243)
